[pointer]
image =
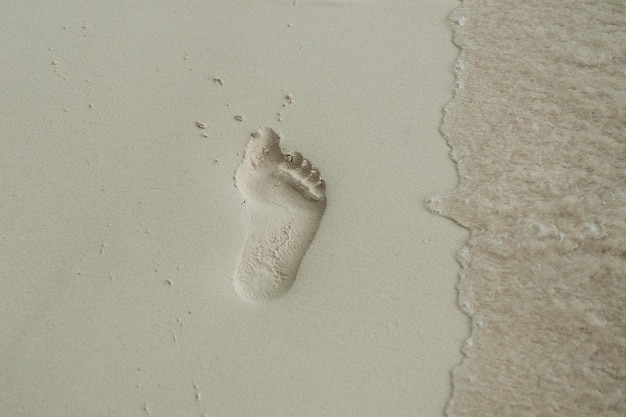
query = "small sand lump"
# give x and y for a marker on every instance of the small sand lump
(218, 80)
(200, 125)
(239, 118)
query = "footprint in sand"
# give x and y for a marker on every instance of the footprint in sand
(284, 203)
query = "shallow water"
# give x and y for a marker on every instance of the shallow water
(538, 131)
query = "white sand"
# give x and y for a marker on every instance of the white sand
(120, 226)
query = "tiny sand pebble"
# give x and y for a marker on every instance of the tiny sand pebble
(218, 80)
(201, 125)
(239, 118)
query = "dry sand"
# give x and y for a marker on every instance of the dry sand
(121, 128)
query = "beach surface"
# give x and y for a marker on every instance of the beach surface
(121, 228)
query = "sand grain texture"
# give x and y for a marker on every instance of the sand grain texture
(538, 131)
